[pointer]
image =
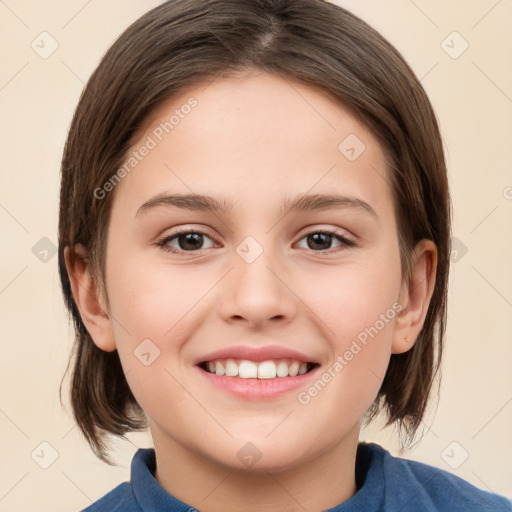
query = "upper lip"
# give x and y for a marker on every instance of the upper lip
(256, 354)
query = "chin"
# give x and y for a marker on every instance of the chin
(260, 456)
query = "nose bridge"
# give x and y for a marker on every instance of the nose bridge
(255, 292)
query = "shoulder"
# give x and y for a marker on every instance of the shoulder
(120, 499)
(428, 488)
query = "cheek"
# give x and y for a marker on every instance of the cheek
(151, 301)
(358, 306)
(154, 312)
(350, 299)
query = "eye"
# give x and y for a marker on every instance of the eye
(323, 241)
(186, 241)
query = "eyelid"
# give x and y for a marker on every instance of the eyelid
(187, 228)
(335, 231)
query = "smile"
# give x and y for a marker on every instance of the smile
(247, 369)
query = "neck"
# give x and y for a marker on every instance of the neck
(209, 486)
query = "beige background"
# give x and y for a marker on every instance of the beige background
(473, 98)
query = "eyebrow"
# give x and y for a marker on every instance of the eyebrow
(187, 201)
(312, 202)
(300, 203)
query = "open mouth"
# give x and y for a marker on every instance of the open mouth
(246, 369)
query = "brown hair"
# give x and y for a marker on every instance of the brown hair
(183, 42)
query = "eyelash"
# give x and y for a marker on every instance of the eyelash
(345, 242)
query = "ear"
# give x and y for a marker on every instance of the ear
(88, 299)
(415, 295)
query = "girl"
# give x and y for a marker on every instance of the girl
(254, 245)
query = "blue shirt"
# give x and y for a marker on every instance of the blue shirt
(385, 484)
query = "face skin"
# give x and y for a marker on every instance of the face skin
(253, 142)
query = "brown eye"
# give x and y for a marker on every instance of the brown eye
(323, 241)
(188, 241)
(319, 241)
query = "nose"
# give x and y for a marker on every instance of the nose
(256, 294)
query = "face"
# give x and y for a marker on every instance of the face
(255, 235)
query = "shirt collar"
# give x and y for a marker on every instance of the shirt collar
(152, 497)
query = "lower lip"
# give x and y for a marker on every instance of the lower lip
(257, 388)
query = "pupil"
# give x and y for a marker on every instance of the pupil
(319, 241)
(190, 241)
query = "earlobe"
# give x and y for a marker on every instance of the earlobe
(88, 300)
(415, 296)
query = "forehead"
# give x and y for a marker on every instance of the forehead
(241, 137)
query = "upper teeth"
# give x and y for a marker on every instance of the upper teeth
(246, 369)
